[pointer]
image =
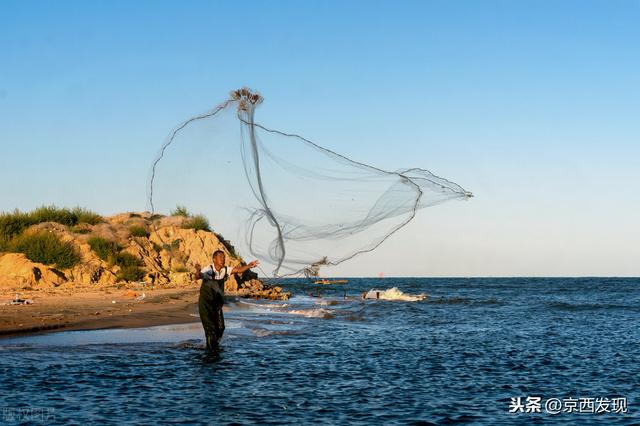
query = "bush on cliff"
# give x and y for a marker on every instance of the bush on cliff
(4, 244)
(12, 224)
(87, 216)
(139, 231)
(109, 251)
(180, 211)
(198, 222)
(65, 216)
(131, 273)
(129, 267)
(127, 259)
(46, 248)
(105, 249)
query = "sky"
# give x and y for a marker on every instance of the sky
(531, 105)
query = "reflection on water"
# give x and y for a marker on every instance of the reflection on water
(170, 333)
(459, 355)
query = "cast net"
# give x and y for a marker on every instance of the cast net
(281, 198)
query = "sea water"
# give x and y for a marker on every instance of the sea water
(483, 351)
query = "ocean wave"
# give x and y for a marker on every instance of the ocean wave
(264, 305)
(263, 332)
(393, 294)
(292, 309)
(312, 313)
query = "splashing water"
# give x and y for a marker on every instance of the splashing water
(282, 198)
(393, 294)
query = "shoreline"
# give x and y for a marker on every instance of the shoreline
(94, 310)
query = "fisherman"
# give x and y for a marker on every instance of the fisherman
(212, 296)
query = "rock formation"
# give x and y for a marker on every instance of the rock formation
(167, 251)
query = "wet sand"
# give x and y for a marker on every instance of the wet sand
(95, 309)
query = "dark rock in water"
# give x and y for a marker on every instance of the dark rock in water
(256, 289)
(247, 275)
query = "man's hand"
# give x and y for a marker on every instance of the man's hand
(242, 269)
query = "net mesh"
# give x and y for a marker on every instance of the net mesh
(281, 198)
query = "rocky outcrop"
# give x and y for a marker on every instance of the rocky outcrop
(167, 253)
(257, 289)
(18, 272)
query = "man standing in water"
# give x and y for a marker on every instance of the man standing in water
(212, 296)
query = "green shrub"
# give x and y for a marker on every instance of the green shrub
(180, 211)
(53, 214)
(12, 224)
(110, 251)
(78, 230)
(131, 273)
(129, 267)
(157, 247)
(105, 249)
(127, 259)
(86, 216)
(4, 244)
(139, 231)
(64, 216)
(46, 248)
(181, 269)
(198, 222)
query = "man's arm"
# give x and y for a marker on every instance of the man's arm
(241, 269)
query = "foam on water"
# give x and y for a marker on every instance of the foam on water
(163, 333)
(393, 294)
(302, 306)
(312, 313)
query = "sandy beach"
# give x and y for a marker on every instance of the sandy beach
(95, 309)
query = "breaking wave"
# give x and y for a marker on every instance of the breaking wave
(393, 294)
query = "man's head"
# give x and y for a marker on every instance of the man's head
(218, 259)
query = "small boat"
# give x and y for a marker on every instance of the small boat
(326, 281)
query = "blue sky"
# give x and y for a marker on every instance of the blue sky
(532, 105)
